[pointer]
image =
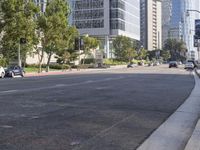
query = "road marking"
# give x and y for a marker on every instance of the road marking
(60, 85)
(6, 126)
(9, 91)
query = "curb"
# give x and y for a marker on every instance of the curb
(194, 142)
(72, 72)
(177, 130)
(197, 73)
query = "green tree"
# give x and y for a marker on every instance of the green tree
(121, 45)
(90, 43)
(177, 48)
(17, 22)
(54, 26)
(67, 53)
(142, 54)
(165, 54)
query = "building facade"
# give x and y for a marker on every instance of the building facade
(42, 4)
(151, 24)
(166, 19)
(106, 19)
(189, 26)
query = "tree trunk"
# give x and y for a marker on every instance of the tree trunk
(40, 57)
(48, 62)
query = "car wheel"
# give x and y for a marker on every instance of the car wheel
(12, 75)
(2, 75)
(22, 75)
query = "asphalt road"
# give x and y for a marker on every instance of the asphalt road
(103, 110)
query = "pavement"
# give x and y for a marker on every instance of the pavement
(115, 109)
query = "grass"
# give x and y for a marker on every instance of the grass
(34, 69)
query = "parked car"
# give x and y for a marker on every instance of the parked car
(2, 72)
(13, 71)
(195, 63)
(189, 65)
(131, 65)
(173, 64)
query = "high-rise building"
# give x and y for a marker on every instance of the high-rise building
(176, 29)
(151, 24)
(189, 26)
(166, 19)
(105, 19)
(42, 4)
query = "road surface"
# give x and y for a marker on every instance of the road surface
(103, 110)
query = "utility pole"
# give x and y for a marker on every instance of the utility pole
(19, 55)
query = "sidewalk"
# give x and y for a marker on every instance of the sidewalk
(180, 131)
(35, 74)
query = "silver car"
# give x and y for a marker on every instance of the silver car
(189, 65)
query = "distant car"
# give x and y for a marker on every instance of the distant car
(189, 65)
(14, 71)
(173, 64)
(179, 63)
(2, 72)
(195, 63)
(131, 65)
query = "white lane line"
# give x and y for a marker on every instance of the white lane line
(9, 91)
(6, 126)
(60, 85)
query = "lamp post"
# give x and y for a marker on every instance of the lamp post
(198, 44)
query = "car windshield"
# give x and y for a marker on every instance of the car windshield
(172, 62)
(11, 67)
(189, 63)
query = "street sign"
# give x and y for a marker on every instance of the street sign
(197, 28)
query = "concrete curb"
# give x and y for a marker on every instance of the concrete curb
(194, 142)
(197, 72)
(74, 71)
(176, 131)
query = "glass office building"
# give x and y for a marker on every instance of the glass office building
(105, 19)
(189, 25)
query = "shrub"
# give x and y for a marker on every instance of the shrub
(3, 62)
(88, 61)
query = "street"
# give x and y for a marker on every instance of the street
(99, 110)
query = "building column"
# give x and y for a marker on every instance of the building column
(107, 47)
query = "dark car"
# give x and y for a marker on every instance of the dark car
(13, 71)
(173, 64)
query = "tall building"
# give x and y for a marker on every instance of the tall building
(105, 19)
(151, 24)
(189, 26)
(41, 4)
(166, 19)
(176, 29)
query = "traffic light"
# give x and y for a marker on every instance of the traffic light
(23, 41)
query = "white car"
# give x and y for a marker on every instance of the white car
(189, 65)
(2, 72)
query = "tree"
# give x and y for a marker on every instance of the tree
(17, 22)
(177, 48)
(67, 53)
(142, 54)
(90, 43)
(129, 54)
(54, 25)
(165, 54)
(121, 45)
